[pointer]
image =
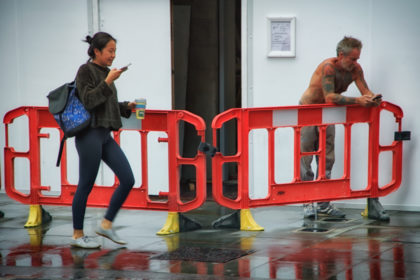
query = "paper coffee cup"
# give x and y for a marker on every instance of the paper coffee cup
(140, 108)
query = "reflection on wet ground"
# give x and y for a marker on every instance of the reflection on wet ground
(354, 248)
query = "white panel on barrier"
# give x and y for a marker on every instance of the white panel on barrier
(337, 171)
(285, 117)
(157, 158)
(50, 173)
(22, 183)
(130, 142)
(334, 115)
(72, 162)
(384, 168)
(258, 163)
(283, 155)
(359, 156)
(131, 123)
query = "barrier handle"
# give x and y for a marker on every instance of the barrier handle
(9, 184)
(222, 118)
(199, 161)
(195, 120)
(10, 154)
(395, 148)
(219, 159)
(398, 113)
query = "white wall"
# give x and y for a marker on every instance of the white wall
(142, 29)
(390, 59)
(41, 48)
(36, 57)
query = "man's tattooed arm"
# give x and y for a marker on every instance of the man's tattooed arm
(343, 100)
(328, 74)
(361, 83)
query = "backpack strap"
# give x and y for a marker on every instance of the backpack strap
(60, 152)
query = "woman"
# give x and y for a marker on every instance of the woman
(95, 85)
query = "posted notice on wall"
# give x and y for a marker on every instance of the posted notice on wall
(280, 36)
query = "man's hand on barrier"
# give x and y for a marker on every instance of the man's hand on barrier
(368, 101)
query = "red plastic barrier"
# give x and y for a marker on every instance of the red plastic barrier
(298, 191)
(156, 120)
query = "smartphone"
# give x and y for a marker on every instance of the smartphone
(379, 96)
(125, 67)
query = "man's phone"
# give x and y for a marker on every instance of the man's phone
(379, 96)
(125, 67)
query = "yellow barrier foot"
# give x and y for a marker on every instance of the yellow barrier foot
(34, 217)
(37, 216)
(365, 212)
(247, 221)
(171, 225)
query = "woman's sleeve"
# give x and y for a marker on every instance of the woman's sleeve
(90, 93)
(124, 109)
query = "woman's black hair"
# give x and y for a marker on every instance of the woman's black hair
(98, 41)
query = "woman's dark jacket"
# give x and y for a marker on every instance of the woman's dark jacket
(99, 98)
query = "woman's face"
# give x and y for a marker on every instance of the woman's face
(106, 56)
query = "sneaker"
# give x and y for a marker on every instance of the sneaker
(308, 211)
(84, 242)
(111, 235)
(331, 211)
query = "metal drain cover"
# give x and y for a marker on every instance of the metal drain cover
(336, 220)
(314, 230)
(200, 254)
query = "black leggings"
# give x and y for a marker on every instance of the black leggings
(94, 145)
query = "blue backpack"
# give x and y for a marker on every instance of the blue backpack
(68, 111)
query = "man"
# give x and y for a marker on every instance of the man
(331, 78)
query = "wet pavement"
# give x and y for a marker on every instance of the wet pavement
(354, 248)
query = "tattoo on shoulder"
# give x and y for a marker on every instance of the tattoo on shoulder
(328, 69)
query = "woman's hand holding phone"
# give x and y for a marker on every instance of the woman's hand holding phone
(124, 68)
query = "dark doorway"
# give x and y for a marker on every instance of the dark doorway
(206, 38)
